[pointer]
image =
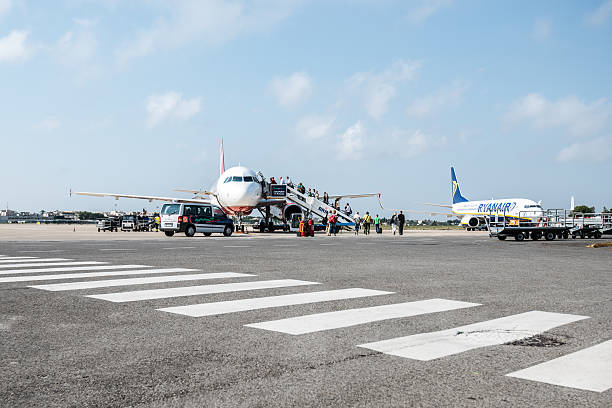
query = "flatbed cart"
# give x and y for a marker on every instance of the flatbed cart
(555, 223)
(524, 227)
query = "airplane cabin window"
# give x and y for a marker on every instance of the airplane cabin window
(237, 178)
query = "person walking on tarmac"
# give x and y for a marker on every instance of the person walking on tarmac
(357, 222)
(394, 223)
(331, 220)
(402, 220)
(367, 219)
(377, 224)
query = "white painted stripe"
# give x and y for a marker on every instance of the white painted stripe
(44, 250)
(117, 249)
(236, 246)
(589, 369)
(29, 278)
(4, 257)
(138, 281)
(232, 306)
(428, 346)
(178, 248)
(199, 290)
(25, 265)
(72, 268)
(351, 317)
(29, 259)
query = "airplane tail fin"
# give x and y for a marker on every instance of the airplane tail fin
(221, 160)
(456, 193)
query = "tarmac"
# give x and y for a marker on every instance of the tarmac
(444, 318)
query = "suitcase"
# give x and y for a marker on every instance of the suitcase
(379, 230)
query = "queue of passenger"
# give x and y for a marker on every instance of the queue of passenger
(331, 219)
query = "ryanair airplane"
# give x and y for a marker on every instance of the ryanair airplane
(472, 213)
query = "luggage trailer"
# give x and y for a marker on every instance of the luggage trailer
(555, 223)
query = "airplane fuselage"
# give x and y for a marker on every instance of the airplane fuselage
(237, 191)
(510, 207)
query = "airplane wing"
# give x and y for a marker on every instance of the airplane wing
(143, 197)
(416, 211)
(432, 213)
(439, 205)
(271, 201)
(204, 192)
(352, 196)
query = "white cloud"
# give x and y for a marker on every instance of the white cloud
(571, 113)
(170, 105)
(449, 96)
(593, 151)
(412, 144)
(13, 47)
(77, 50)
(351, 143)
(292, 90)
(314, 127)
(426, 8)
(602, 14)
(542, 29)
(379, 88)
(5, 6)
(210, 21)
(48, 124)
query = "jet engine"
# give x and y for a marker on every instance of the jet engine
(470, 222)
(289, 211)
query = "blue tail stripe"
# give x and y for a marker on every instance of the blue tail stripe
(456, 193)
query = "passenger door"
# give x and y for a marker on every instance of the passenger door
(220, 219)
(203, 219)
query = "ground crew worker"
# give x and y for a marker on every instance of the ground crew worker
(157, 222)
(367, 219)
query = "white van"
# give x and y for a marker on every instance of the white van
(192, 218)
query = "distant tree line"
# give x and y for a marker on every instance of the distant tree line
(86, 215)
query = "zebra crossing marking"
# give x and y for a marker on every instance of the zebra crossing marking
(588, 369)
(351, 317)
(150, 294)
(26, 265)
(30, 259)
(429, 346)
(29, 278)
(241, 305)
(137, 281)
(72, 268)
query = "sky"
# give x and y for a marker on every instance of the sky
(347, 96)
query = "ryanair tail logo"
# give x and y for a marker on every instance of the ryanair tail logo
(454, 187)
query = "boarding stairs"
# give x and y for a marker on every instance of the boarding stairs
(316, 206)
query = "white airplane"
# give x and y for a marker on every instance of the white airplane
(472, 213)
(237, 191)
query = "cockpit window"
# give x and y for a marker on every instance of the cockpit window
(248, 179)
(237, 178)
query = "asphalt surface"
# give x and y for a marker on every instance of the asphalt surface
(64, 349)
